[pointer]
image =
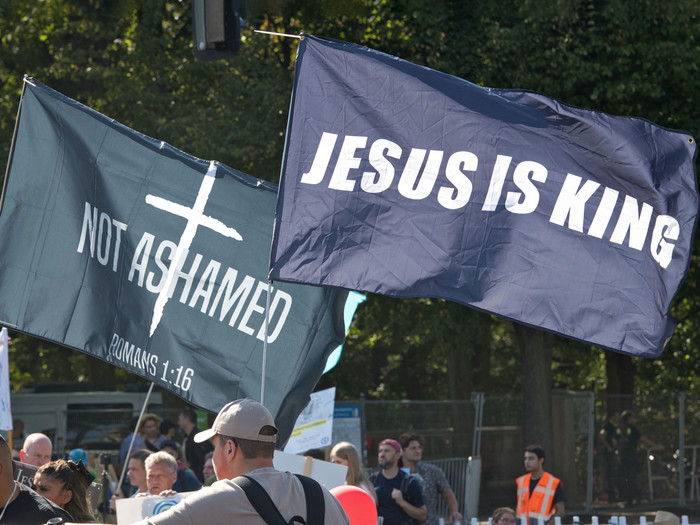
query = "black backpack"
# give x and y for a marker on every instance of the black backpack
(263, 504)
(404, 486)
(404, 482)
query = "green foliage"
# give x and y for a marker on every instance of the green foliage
(132, 60)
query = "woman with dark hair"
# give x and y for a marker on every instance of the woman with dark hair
(66, 483)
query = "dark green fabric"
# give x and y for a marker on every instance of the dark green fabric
(75, 173)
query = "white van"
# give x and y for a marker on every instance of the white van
(87, 420)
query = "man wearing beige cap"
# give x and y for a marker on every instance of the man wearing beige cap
(244, 436)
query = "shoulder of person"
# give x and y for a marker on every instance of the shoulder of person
(427, 467)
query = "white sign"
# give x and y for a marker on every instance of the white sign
(314, 426)
(326, 473)
(131, 510)
(5, 408)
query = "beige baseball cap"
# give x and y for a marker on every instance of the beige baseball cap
(243, 418)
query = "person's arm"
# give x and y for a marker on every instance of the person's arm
(417, 513)
(603, 439)
(451, 500)
(559, 504)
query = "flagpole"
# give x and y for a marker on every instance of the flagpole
(133, 438)
(264, 356)
(14, 139)
(299, 37)
(269, 281)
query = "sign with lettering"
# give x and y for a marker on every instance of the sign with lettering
(404, 181)
(314, 426)
(24, 474)
(128, 249)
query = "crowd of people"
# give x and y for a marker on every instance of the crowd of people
(405, 489)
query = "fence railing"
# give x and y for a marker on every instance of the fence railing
(490, 428)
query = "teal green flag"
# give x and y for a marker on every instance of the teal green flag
(130, 250)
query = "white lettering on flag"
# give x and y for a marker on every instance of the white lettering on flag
(195, 217)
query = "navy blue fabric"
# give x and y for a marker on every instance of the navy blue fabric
(404, 181)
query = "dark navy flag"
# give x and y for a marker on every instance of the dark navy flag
(123, 247)
(405, 181)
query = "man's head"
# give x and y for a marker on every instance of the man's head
(412, 445)
(626, 417)
(168, 429)
(534, 458)
(150, 426)
(161, 472)
(208, 468)
(389, 453)
(243, 432)
(137, 469)
(36, 450)
(171, 448)
(187, 420)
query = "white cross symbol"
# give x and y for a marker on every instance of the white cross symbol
(195, 218)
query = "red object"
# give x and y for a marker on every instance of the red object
(357, 504)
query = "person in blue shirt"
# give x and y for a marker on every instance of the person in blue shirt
(399, 500)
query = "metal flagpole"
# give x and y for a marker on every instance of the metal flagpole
(269, 283)
(133, 438)
(264, 359)
(14, 139)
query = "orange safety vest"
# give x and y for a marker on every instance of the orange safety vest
(541, 503)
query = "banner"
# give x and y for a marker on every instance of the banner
(353, 301)
(408, 182)
(314, 426)
(128, 249)
(5, 405)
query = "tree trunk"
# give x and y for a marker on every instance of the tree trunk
(459, 380)
(619, 371)
(536, 363)
(459, 373)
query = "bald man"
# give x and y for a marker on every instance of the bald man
(36, 450)
(20, 504)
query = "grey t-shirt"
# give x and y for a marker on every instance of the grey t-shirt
(226, 502)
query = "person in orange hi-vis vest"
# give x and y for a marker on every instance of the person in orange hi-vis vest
(540, 495)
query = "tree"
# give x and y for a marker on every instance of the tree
(132, 60)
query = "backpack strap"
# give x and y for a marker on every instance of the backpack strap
(315, 503)
(404, 486)
(268, 511)
(260, 500)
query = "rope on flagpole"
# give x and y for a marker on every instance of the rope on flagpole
(133, 438)
(299, 37)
